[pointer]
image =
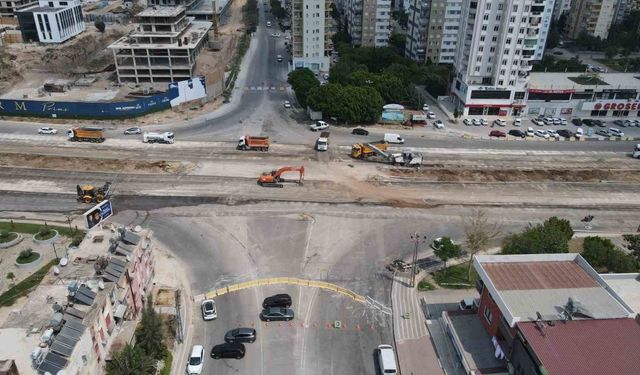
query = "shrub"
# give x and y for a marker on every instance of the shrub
(25, 254)
(77, 239)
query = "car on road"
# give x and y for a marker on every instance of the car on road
(553, 134)
(500, 122)
(279, 58)
(228, 350)
(467, 122)
(636, 123)
(435, 245)
(277, 300)
(542, 133)
(325, 76)
(603, 132)
(616, 132)
(538, 121)
(425, 108)
(209, 311)
(517, 122)
(287, 104)
(318, 125)
(530, 132)
(47, 130)
(134, 130)
(431, 115)
(387, 360)
(438, 124)
(360, 131)
(268, 23)
(240, 335)
(276, 314)
(484, 122)
(557, 53)
(276, 35)
(565, 133)
(579, 133)
(497, 134)
(196, 360)
(517, 133)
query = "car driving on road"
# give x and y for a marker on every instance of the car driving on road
(209, 311)
(47, 130)
(134, 130)
(287, 104)
(360, 131)
(319, 125)
(431, 115)
(438, 124)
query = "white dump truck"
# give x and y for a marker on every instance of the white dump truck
(166, 137)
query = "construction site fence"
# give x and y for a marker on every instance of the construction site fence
(286, 280)
(107, 18)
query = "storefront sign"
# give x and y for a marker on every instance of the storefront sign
(613, 105)
(540, 91)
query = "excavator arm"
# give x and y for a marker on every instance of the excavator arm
(274, 178)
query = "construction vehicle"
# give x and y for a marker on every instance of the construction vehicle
(274, 178)
(406, 157)
(248, 142)
(363, 151)
(93, 194)
(322, 144)
(86, 134)
(166, 137)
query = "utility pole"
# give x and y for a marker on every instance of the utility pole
(417, 241)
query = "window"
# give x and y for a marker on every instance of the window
(487, 314)
(482, 38)
(484, 27)
(494, 39)
(486, 17)
(496, 28)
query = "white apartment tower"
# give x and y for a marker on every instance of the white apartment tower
(433, 29)
(311, 36)
(497, 44)
(593, 17)
(52, 21)
(368, 21)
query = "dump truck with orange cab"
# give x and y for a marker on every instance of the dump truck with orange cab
(248, 142)
(86, 134)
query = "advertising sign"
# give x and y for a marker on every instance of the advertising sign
(97, 214)
(613, 105)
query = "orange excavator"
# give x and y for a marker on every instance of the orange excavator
(274, 178)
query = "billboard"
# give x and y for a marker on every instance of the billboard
(97, 214)
(605, 105)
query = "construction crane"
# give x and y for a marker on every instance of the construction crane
(274, 178)
(93, 194)
(406, 157)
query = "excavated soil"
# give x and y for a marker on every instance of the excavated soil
(520, 175)
(96, 165)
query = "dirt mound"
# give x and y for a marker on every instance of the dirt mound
(98, 165)
(520, 175)
(8, 73)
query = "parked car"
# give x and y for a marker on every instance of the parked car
(319, 125)
(553, 134)
(468, 304)
(276, 313)
(209, 309)
(228, 350)
(517, 133)
(603, 132)
(387, 360)
(134, 130)
(579, 133)
(438, 124)
(47, 130)
(431, 115)
(542, 133)
(196, 360)
(435, 245)
(500, 122)
(538, 121)
(616, 132)
(497, 134)
(425, 108)
(467, 122)
(576, 121)
(287, 104)
(563, 121)
(476, 122)
(517, 121)
(240, 335)
(548, 120)
(589, 122)
(565, 133)
(530, 132)
(277, 300)
(484, 122)
(360, 131)
(600, 123)
(621, 122)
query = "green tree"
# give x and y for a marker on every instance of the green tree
(131, 361)
(277, 9)
(326, 99)
(150, 333)
(302, 81)
(456, 114)
(633, 244)
(397, 41)
(99, 24)
(360, 104)
(447, 250)
(611, 52)
(551, 237)
(603, 255)
(389, 87)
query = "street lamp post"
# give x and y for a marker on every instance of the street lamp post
(417, 241)
(54, 251)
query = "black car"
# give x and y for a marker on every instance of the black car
(276, 313)
(600, 123)
(565, 133)
(360, 131)
(517, 133)
(576, 121)
(619, 123)
(278, 300)
(588, 122)
(240, 335)
(228, 350)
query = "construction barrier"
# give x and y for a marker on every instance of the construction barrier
(285, 280)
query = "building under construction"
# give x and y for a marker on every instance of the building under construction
(201, 10)
(163, 47)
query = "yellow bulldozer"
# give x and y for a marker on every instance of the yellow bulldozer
(93, 194)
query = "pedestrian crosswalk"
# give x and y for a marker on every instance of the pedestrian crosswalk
(408, 319)
(265, 88)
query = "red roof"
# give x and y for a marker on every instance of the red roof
(605, 346)
(538, 275)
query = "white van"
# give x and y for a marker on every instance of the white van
(393, 138)
(387, 360)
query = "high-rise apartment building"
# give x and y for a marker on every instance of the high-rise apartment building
(560, 7)
(593, 17)
(433, 30)
(623, 8)
(311, 31)
(497, 44)
(368, 21)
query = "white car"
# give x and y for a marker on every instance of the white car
(553, 134)
(425, 107)
(287, 104)
(484, 122)
(268, 23)
(47, 131)
(530, 132)
(196, 360)
(538, 121)
(276, 35)
(325, 76)
(476, 122)
(134, 130)
(517, 122)
(563, 121)
(438, 124)
(320, 125)
(500, 122)
(579, 133)
(542, 133)
(616, 132)
(431, 115)
(557, 121)
(548, 120)
(209, 311)
(467, 122)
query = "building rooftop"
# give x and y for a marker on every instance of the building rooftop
(561, 81)
(627, 286)
(524, 286)
(156, 11)
(196, 30)
(579, 347)
(40, 9)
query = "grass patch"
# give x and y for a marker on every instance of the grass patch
(27, 256)
(455, 277)
(7, 236)
(43, 234)
(424, 285)
(23, 288)
(31, 228)
(168, 362)
(588, 80)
